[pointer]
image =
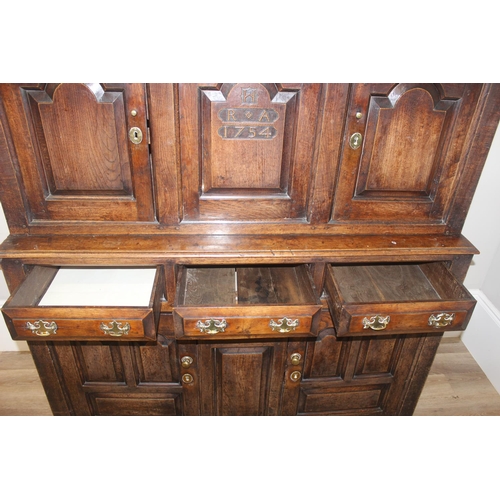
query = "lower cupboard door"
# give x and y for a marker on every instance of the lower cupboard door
(242, 379)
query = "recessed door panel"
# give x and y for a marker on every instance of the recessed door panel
(402, 145)
(76, 158)
(242, 379)
(247, 150)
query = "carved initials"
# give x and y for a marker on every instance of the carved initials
(249, 96)
(264, 115)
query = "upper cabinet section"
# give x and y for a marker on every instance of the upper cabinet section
(247, 150)
(243, 158)
(82, 150)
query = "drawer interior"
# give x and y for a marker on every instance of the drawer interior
(86, 287)
(397, 283)
(240, 286)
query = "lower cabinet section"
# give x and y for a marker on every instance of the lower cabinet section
(381, 375)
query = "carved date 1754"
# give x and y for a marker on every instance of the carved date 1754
(247, 123)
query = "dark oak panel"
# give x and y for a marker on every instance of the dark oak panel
(342, 401)
(242, 379)
(117, 405)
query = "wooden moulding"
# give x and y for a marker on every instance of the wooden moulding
(228, 249)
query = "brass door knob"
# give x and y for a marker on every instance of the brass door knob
(186, 361)
(295, 358)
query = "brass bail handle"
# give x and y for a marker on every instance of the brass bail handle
(212, 326)
(377, 322)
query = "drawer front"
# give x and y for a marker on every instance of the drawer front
(380, 323)
(240, 323)
(57, 328)
(399, 298)
(28, 317)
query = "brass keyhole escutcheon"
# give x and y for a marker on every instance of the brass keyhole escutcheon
(295, 376)
(135, 135)
(356, 140)
(187, 378)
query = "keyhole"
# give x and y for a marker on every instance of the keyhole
(355, 140)
(135, 135)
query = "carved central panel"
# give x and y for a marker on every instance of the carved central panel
(244, 133)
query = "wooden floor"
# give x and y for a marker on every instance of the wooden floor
(455, 386)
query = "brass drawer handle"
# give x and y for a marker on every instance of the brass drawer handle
(440, 320)
(42, 328)
(376, 322)
(115, 329)
(284, 325)
(212, 326)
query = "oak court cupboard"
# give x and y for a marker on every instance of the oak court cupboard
(238, 249)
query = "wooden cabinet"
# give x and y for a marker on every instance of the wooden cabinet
(303, 241)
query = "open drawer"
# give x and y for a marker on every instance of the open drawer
(86, 304)
(245, 302)
(396, 298)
